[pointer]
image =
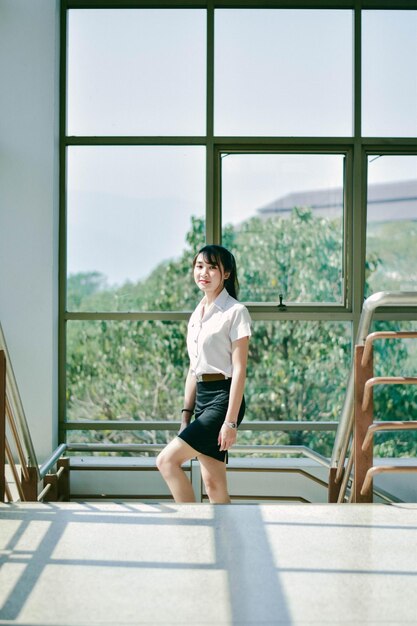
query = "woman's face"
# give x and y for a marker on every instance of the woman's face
(208, 276)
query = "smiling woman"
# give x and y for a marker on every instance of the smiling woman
(217, 341)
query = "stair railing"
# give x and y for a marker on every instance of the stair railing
(364, 425)
(344, 446)
(4, 490)
(20, 446)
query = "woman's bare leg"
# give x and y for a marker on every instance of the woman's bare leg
(214, 478)
(169, 463)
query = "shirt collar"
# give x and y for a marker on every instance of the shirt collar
(220, 301)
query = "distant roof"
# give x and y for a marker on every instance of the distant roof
(386, 202)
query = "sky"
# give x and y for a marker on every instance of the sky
(142, 72)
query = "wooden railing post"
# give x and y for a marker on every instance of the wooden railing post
(2, 425)
(363, 461)
(56, 486)
(64, 479)
(334, 485)
(52, 495)
(30, 485)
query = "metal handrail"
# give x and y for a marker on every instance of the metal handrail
(17, 407)
(382, 426)
(389, 334)
(13, 468)
(18, 443)
(347, 476)
(157, 447)
(382, 469)
(56, 455)
(3, 482)
(384, 380)
(377, 300)
(252, 425)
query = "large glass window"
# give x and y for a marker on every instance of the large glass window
(391, 236)
(133, 214)
(136, 72)
(135, 371)
(125, 370)
(389, 75)
(283, 216)
(283, 72)
(297, 372)
(234, 126)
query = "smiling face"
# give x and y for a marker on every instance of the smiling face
(209, 276)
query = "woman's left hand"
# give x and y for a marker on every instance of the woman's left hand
(227, 437)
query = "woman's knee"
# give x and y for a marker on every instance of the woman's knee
(173, 456)
(166, 462)
(215, 485)
(161, 461)
(211, 485)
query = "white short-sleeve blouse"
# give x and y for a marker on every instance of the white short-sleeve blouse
(210, 337)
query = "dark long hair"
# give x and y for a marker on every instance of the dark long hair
(217, 255)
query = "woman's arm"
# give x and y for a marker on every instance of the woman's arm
(189, 399)
(240, 347)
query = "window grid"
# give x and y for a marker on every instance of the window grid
(357, 148)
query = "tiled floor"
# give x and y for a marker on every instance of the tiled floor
(130, 563)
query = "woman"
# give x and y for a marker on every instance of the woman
(217, 342)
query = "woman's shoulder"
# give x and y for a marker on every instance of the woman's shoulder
(240, 321)
(234, 306)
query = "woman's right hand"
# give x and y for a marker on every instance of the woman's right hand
(183, 425)
(186, 415)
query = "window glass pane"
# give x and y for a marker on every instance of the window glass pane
(297, 371)
(125, 371)
(136, 371)
(389, 73)
(395, 402)
(283, 72)
(136, 72)
(391, 249)
(283, 218)
(135, 218)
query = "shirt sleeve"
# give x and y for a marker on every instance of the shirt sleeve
(240, 326)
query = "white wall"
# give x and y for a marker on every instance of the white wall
(29, 113)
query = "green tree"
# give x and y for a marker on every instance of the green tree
(392, 254)
(82, 286)
(297, 370)
(300, 257)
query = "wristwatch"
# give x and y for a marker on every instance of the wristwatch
(231, 425)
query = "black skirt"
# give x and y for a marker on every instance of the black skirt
(212, 400)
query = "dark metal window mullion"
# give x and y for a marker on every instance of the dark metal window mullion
(62, 242)
(212, 206)
(359, 180)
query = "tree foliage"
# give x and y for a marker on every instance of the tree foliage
(297, 370)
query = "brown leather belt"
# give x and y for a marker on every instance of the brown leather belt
(205, 378)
